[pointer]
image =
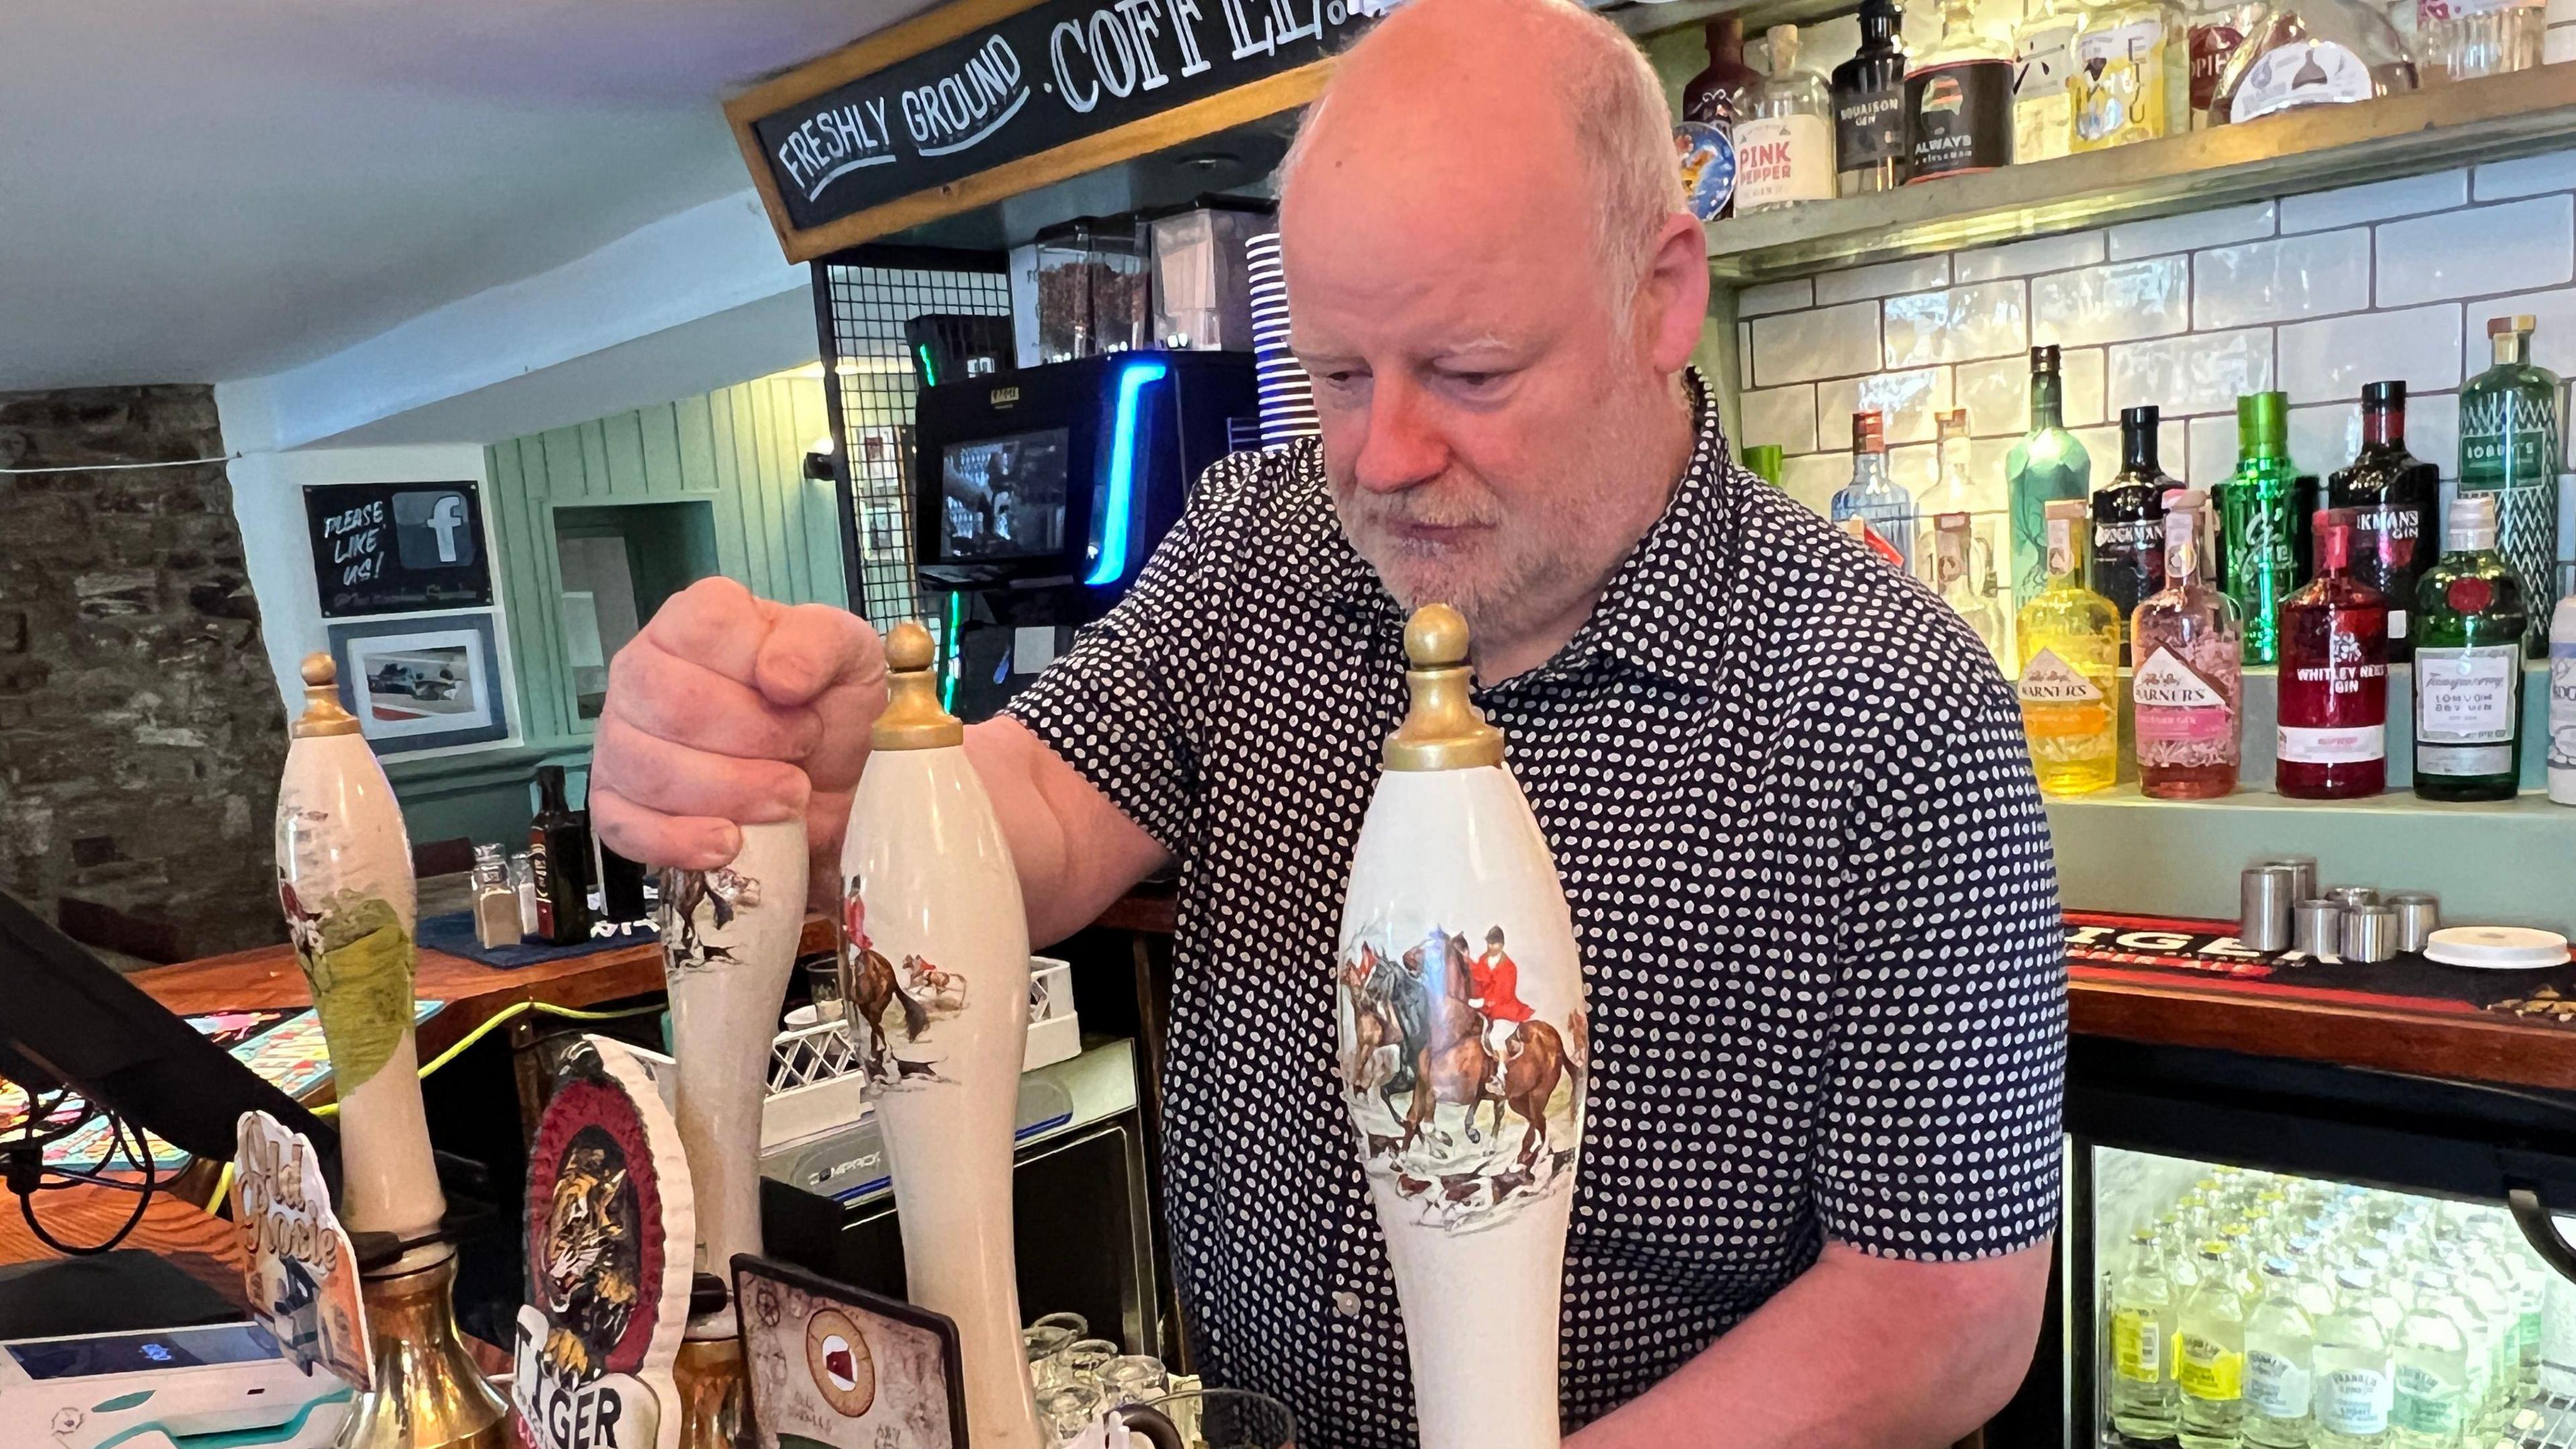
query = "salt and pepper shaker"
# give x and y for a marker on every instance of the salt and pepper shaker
(496, 903)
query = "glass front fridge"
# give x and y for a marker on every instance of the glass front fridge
(2289, 1255)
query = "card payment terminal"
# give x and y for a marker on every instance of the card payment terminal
(167, 1389)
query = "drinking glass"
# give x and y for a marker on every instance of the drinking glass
(1080, 1362)
(823, 980)
(1223, 1419)
(1074, 1325)
(1134, 1378)
(1042, 1342)
(1067, 1409)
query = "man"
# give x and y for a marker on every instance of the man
(1786, 790)
(1494, 981)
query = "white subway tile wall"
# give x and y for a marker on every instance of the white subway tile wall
(2316, 295)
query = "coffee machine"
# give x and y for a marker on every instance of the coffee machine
(1040, 493)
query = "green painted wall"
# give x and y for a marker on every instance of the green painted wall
(741, 450)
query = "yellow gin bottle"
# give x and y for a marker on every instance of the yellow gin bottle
(2068, 639)
(2131, 74)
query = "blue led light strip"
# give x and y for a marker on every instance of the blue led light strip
(1122, 472)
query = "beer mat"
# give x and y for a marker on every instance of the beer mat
(454, 934)
(283, 1045)
(2165, 951)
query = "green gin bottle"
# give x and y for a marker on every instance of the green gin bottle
(2262, 559)
(2046, 466)
(2509, 448)
(2468, 664)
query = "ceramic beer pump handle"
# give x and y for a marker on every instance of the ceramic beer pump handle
(728, 947)
(1464, 1054)
(344, 880)
(935, 981)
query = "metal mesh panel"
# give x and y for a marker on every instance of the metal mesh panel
(862, 302)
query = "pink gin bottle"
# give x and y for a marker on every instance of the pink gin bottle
(2189, 686)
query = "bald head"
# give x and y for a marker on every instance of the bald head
(1461, 94)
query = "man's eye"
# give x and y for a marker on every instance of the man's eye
(1473, 381)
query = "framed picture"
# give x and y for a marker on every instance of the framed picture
(837, 1367)
(422, 683)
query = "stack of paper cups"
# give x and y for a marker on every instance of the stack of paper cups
(1287, 395)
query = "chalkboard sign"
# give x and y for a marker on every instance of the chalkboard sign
(398, 548)
(825, 147)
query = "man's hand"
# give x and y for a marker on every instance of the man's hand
(729, 710)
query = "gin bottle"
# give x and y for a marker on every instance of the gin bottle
(2351, 1395)
(1784, 141)
(2128, 523)
(2262, 563)
(2280, 1348)
(2562, 701)
(2333, 742)
(2142, 1311)
(1871, 147)
(2210, 1360)
(2043, 63)
(2431, 1356)
(2047, 465)
(2392, 494)
(1976, 590)
(2189, 688)
(1959, 101)
(2131, 73)
(2069, 640)
(1963, 574)
(2465, 39)
(2310, 53)
(1874, 498)
(1712, 106)
(2509, 447)
(2468, 665)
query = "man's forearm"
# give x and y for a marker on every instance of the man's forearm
(1075, 853)
(1858, 1353)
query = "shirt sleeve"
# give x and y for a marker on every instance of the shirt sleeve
(1941, 1133)
(1116, 706)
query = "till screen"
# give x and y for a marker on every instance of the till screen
(80, 1358)
(1004, 498)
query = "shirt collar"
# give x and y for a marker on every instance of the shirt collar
(1661, 604)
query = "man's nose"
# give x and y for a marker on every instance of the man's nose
(1402, 449)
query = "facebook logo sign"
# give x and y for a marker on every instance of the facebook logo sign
(434, 529)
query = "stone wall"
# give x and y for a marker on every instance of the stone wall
(140, 728)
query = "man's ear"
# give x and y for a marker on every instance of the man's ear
(1672, 301)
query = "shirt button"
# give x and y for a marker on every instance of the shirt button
(1347, 1304)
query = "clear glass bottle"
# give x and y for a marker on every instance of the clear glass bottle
(2047, 465)
(2209, 1364)
(2509, 446)
(1871, 147)
(2132, 72)
(1873, 497)
(2431, 1358)
(2491, 1297)
(2043, 63)
(2562, 701)
(2468, 664)
(2280, 1350)
(2466, 39)
(2143, 1310)
(1975, 590)
(1964, 576)
(2392, 494)
(2189, 689)
(2069, 640)
(2127, 563)
(2351, 1395)
(496, 901)
(2477, 1340)
(1784, 141)
(2310, 53)
(1959, 101)
(2262, 560)
(2333, 742)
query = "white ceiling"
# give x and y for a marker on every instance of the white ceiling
(219, 189)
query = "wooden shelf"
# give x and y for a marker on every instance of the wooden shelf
(2297, 151)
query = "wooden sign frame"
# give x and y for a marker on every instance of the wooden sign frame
(1266, 96)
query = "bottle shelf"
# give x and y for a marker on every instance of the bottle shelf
(2297, 151)
(2503, 862)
